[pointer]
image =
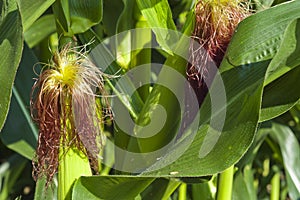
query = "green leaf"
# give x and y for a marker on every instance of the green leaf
(243, 94)
(31, 10)
(125, 42)
(273, 103)
(243, 186)
(126, 19)
(270, 34)
(159, 16)
(260, 35)
(84, 14)
(287, 56)
(19, 132)
(40, 30)
(282, 75)
(11, 44)
(252, 152)
(169, 81)
(75, 17)
(247, 60)
(290, 150)
(160, 189)
(215, 148)
(109, 187)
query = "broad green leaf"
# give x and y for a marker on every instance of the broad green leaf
(84, 14)
(31, 10)
(162, 95)
(243, 95)
(40, 30)
(160, 189)
(159, 17)
(62, 16)
(282, 76)
(19, 132)
(260, 35)
(280, 95)
(109, 187)
(270, 34)
(132, 49)
(251, 154)
(290, 150)
(287, 56)
(11, 44)
(249, 55)
(75, 17)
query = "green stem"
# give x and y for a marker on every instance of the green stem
(144, 56)
(73, 164)
(225, 184)
(182, 191)
(275, 190)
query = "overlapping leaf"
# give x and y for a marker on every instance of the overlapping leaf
(158, 15)
(290, 150)
(75, 17)
(255, 43)
(111, 187)
(19, 132)
(31, 10)
(11, 44)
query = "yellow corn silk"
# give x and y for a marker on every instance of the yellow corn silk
(64, 105)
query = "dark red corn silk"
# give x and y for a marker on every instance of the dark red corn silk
(214, 26)
(52, 110)
(67, 117)
(88, 126)
(45, 110)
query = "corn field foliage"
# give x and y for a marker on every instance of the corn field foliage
(241, 141)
